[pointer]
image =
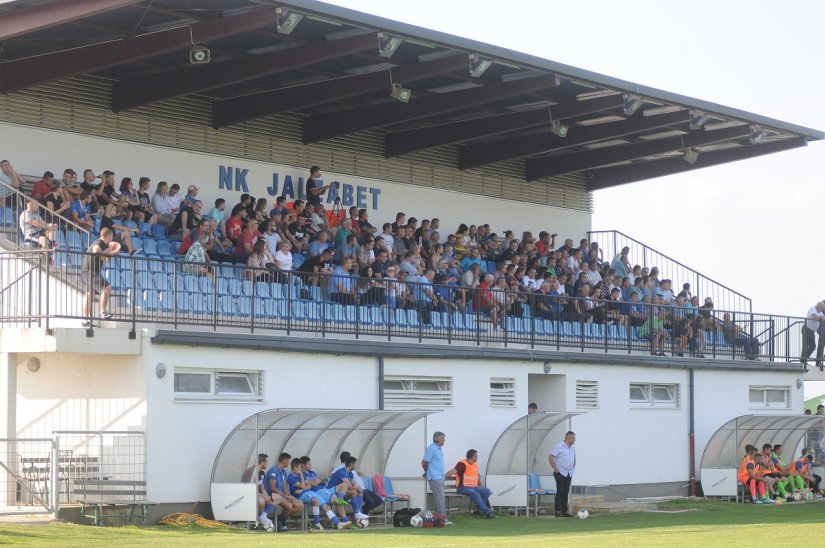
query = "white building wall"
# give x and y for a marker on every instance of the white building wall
(34, 150)
(87, 392)
(724, 395)
(80, 392)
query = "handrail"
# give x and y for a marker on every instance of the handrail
(162, 292)
(44, 211)
(615, 248)
(17, 279)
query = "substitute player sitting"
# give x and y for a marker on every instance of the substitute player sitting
(301, 487)
(278, 490)
(344, 476)
(747, 475)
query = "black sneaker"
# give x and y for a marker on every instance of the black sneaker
(135, 251)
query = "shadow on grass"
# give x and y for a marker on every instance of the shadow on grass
(708, 513)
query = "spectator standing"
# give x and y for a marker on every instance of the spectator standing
(433, 464)
(563, 461)
(314, 187)
(810, 328)
(99, 252)
(11, 178)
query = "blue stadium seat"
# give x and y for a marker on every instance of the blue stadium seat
(159, 232)
(223, 286)
(74, 241)
(275, 309)
(244, 306)
(161, 281)
(276, 291)
(132, 293)
(226, 306)
(150, 247)
(6, 217)
(203, 304)
(145, 228)
(163, 248)
(298, 311)
(297, 260)
(184, 303)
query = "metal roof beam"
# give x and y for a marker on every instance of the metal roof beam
(134, 92)
(238, 109)
(479, 154)
(44, 16)
(619, 175)
(590, 159)
(23, 73)
(412, 140)
(326, 126)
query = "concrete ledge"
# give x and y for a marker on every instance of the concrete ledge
(115, 342)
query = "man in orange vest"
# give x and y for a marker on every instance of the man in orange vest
(748, 476)
(468, 482)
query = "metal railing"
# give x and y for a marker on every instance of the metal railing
(10, 226)
(164, 292)
(40, 473)
(612, 242)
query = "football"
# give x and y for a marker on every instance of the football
(583, 514)
(416, 521)
(363, 523)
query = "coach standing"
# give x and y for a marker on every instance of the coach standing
(433, 464)
(563, 460)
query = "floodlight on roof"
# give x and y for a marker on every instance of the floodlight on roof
(400, 93)
(698, 120)
(286, 20)
(757, 134)
(632, 103)
(691, 155)
(387, 44)
(199, 54)
(478, 65)
(557, 128)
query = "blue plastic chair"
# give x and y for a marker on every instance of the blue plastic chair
(535, 491)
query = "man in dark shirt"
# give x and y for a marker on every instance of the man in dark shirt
(145, 201)
(314, 186)
(298, 230)
(98, 253)
(121, 232)
(186, 220)
(319, 264)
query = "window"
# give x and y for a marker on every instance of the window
(205, 384)
(654, 395)
(502, 392)
(587, 394)
(770, 397)
(406, 392)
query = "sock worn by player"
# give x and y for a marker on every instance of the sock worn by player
(332, 517)
(316, 514)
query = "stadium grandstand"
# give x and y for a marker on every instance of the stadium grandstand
(217, 205)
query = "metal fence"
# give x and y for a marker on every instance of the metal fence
(612, 242)
(39, 474)
(42, 288)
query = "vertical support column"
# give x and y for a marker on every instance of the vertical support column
(8, 428)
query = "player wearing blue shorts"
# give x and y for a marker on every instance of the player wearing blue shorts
(301, 488)
(278, 490)
(343, 476)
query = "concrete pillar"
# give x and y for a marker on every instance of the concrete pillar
(8, 428)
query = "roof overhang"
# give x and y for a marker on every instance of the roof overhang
(344, 72)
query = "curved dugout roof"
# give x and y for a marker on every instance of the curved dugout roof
(320, 433)
(333, 67)
(727, 445)
(516, 448)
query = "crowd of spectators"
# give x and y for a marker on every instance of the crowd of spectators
(407, 263)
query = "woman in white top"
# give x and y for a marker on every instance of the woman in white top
(162, 205)
(262, 261)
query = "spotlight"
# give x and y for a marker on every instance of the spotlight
(400, 93)
(698, 120)
(286, 20)
(690, 155)
(632, 104)
(757, 134)
(557, 128)
(478, 65)
(387, 44)
(199, 54)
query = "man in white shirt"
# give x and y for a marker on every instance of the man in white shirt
(272, 238)
(809, 329)
(35, 230)
(388, 239)
(530, 282)
(563, 461)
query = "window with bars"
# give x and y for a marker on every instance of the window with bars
(502, 392)
(769, 397)
(654, 395)
(206, 384)
(587, 394)
(410, 392)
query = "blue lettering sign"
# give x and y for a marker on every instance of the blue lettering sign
(225, 178)
(301, 193)
(289, 191)
(347, 199)
(375, 193)
(361, 197)
(273, 190)
(240, 180)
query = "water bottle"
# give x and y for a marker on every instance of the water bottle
(428, 520)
